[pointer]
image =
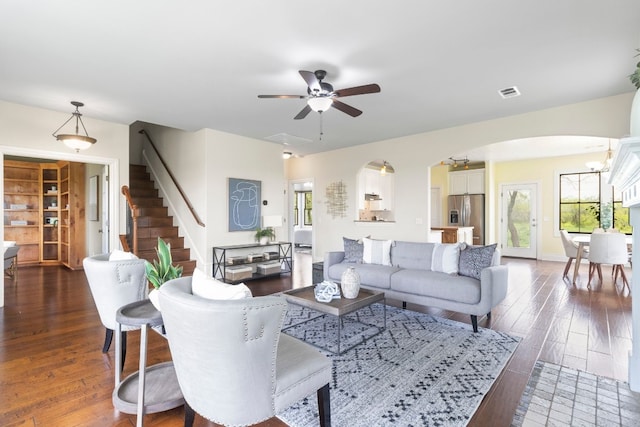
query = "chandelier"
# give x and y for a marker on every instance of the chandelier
(75, 141)
(604, 166)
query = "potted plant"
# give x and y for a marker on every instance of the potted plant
(635, 76)
(161, 270)
(264, 234)
(635, 106)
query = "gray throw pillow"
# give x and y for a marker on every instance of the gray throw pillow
(353, 250)
(473, 259)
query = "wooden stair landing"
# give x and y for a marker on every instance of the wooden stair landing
(154, 221)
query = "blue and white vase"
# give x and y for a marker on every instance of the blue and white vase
(350, 283)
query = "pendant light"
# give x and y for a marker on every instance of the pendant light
(75, 141)
(602, 166)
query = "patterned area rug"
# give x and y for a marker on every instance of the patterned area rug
(557, 395)
(420, 371)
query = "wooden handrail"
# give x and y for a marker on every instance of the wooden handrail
(175, 182)
(134, 218)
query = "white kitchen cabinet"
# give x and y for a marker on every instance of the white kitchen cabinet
(466, 182)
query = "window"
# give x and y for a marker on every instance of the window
(303, 199)
(308, 204)
(585, 204)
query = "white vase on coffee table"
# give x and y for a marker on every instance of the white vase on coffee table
(350, 283)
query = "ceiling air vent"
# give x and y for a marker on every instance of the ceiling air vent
(509, 92)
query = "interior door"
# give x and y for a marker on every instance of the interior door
(519, 232)
(104, 208)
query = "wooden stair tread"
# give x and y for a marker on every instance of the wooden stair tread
(154, 221)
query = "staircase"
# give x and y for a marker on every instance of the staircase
(154, 221)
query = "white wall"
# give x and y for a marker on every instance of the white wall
(413, 155)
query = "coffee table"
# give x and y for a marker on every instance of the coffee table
(337, 307)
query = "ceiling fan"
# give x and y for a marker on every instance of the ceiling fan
(321, 96)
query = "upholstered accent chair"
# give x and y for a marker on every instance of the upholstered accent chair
(11, 260)
(233, 364)
(608, 248)
(114, 284)
(570, 250)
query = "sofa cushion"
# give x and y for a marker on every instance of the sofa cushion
(415, 255)
(473, 259)
(376, 251)
(445, 258)
(437, 285)
(373, 275)
(352, 250)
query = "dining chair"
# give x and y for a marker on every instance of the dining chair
(233, 364)
(114, 283)
(570, 250)
(608, 248)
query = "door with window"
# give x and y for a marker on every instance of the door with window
(519, 220)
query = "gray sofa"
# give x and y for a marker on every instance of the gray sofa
(410, 278)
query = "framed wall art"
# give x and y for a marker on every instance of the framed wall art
(244, 201)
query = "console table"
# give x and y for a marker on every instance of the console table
(252, 256)
(150, 389)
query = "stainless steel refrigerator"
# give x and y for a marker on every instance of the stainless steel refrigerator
(467, 210)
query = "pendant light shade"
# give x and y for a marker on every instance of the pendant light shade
(75, 141)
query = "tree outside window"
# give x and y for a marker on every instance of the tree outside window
(585, 204)
(303, 200)
(308, 204)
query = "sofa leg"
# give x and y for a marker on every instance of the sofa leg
(324, 406)
(404, 305)
(189, 415)
(474, 322)
(489, 315)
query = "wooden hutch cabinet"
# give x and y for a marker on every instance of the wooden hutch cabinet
(44, 211)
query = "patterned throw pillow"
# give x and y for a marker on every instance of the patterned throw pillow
(377, 251)
(445, 258)
(353, 250)
(473, 259)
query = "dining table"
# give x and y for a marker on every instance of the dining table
(583, 241)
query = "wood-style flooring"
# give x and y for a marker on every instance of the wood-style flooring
(53, 373)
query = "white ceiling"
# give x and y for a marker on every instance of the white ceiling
(201, 64)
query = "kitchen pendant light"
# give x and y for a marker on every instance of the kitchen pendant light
(602, 166)
(75, 141)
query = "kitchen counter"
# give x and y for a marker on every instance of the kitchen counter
(453, 234)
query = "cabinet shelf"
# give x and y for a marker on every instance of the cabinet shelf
(248, 257)
(38, 186)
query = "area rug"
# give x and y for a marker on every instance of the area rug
(557, 395)
(420, 371)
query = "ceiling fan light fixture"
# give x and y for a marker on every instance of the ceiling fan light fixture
(75, 141)
(320, 103)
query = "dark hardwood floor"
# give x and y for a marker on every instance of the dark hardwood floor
(53, 373)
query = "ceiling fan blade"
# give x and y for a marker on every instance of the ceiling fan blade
(283, 96)
(358, 90)
(311, 79)
(353, 112)
(303, 113)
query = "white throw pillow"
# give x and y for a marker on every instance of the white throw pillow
(118, 255)
(210, 288)
(445, 258)
(376, 251)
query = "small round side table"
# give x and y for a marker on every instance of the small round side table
(150, 389)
